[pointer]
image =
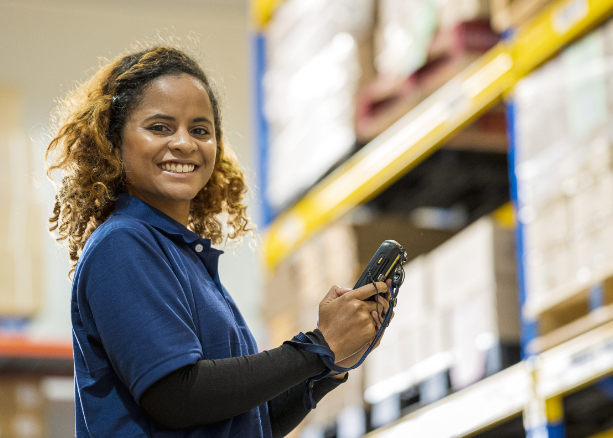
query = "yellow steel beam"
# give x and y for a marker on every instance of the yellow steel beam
(422, 130)
(262, 11)
(561, 23)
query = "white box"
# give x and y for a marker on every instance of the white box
(414, 300)
(472, 333)
(549, 227)
(584, 71)
(470, 261)
(431, 337)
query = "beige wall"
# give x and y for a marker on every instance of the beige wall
(48, 45)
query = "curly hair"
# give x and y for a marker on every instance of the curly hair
(86, 151)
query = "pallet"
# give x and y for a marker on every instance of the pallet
(587, 309)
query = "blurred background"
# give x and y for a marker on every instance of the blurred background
(476, 133)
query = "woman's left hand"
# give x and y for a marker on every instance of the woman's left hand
(377, 320)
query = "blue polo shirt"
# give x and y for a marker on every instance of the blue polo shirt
(147, 300)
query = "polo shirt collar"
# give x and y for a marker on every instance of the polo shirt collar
(131, 206)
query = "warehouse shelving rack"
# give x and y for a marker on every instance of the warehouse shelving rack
(534, 387)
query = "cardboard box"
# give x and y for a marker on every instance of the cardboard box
(414, 302)
(468, 322)
(586, 98)
(549, 227)
(24, 408)
(471, 261)
(21, 219)
(540, 116)
(300, 282)
(369, 235)
(592, 206)
(432, 336)
(385, 361)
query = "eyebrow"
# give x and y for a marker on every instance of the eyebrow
(172, 119)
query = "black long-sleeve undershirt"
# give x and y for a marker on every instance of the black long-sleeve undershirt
(215, 390)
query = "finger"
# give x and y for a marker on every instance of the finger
(388, 294)
(334, 293)
(343, 290)
(384, 303)
(380, 304)
(376, 319)
(367, 291)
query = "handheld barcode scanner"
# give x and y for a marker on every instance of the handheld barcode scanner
(385, 264)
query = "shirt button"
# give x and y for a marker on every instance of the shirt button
(199, 248)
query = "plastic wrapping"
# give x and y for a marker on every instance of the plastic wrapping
(312, 77)
(564, 165)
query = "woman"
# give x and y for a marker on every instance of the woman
(160, 348)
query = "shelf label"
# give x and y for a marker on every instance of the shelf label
(569, 15)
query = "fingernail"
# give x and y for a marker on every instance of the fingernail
(344, 289)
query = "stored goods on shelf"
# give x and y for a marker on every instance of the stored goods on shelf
(459, 312)
(35, 406)
(405, 29)
(474, 285)
(507, 14)
(563, 165)
(391, 95)
(21, 247)
(23, 407)
(338, 255)
(314, 55)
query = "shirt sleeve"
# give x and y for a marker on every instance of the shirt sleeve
(287, 409)
(140, 310)
(215, 390)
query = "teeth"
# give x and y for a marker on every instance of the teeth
(177, 168)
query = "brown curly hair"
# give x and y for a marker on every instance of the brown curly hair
(86, 150)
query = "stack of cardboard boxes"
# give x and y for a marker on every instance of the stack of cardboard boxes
(336, 256)
(564, 168)
(21, 254)
(23, 408)
(458, 302)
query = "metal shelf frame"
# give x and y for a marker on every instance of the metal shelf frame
(425, 128)
(489, 80)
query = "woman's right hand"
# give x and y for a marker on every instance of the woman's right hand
(346, 320)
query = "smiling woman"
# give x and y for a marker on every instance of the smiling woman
(169, 145)
(159, 346)
(90, 127)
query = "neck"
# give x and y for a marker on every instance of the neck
(178, 210)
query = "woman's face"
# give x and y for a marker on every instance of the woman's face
(169, 145)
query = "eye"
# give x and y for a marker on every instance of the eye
(158, 128)
(201, 131)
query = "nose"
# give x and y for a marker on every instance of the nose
(182, 142)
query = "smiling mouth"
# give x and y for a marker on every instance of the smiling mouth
(177, 168)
